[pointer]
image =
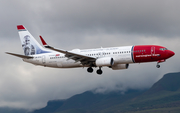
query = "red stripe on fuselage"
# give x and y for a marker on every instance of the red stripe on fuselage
(148, 53)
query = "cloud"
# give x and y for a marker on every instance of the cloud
(139, 17)
(80, 24)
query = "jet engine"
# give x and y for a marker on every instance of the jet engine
(106, 61)
(120, 66)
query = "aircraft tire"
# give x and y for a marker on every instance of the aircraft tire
(90, 69)
(99, 71)
(158, 66)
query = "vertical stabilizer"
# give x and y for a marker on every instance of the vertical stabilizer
(29, 44)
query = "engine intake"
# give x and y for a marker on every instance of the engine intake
(106, 61)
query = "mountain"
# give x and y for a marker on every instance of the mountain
(169, 82)
(163, 96)
(51, 107)
(89, 102)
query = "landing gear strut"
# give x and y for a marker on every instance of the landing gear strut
(99, 71)
(90, 69)
(158, 66)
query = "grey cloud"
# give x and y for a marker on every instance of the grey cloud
(149, 18)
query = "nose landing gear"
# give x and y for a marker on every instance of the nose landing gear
(158, 66)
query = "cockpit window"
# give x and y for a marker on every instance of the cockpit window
(163, 49)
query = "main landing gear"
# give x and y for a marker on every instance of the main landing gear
(90, 69)
(99, 71)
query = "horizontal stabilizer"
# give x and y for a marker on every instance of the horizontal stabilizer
(18, 55)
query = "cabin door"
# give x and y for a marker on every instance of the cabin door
(43, 59)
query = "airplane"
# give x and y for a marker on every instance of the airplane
(116, 58)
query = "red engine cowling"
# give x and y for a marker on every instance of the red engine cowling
(106, 61)
(120, 66)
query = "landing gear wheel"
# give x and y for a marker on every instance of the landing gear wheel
(99, 71)
(90, 69)
(158, 66)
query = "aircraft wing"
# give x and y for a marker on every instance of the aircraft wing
(18, 55)
(85, 60)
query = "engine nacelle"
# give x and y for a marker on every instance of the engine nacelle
(120, 66)
(106, 61)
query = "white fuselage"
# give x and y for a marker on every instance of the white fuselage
(121, 55)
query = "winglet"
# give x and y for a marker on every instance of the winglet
(44, 43)
(42, 40)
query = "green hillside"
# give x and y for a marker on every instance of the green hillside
(163, 96)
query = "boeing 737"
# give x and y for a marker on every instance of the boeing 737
(116, 58)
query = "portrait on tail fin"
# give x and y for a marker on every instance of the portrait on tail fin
(28, 48)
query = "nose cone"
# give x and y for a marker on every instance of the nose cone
(170, 53)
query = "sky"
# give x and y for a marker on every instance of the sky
(71, 24)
